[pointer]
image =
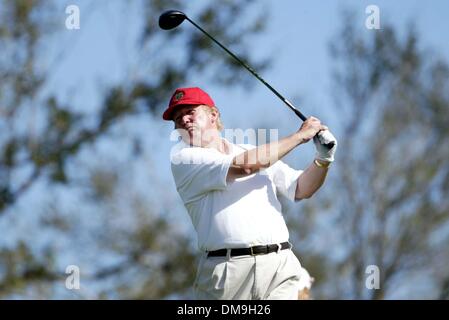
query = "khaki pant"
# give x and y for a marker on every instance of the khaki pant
(269, 276)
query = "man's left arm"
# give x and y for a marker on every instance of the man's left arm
(313, 177)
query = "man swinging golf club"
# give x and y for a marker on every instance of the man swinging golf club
(231, 194)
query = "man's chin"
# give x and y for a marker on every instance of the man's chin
(192, 141)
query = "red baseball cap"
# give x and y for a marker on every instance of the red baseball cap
(187, 96)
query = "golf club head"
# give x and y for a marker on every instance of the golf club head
(171, 19)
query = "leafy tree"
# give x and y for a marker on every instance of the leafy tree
(385, 204)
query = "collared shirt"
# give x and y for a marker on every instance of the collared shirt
(238, 214)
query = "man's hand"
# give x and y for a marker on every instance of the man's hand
(310, 128)
(313, 177)
(323, 153)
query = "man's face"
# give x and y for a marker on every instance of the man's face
(195, 124)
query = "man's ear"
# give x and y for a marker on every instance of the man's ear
(214, 116)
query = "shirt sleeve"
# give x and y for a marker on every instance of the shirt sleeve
(199, 170)
(285, 179)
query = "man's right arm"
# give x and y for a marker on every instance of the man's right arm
(264, 156)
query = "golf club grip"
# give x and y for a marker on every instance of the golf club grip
(330, 145)
(303, 118)
(300, 115)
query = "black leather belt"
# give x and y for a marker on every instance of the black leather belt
(252, 251)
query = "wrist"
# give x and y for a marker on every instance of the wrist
(324, 156)
(322, 163)
(299, 137)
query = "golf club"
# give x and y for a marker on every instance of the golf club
(172, 18)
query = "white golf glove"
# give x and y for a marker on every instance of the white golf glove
(322, 151)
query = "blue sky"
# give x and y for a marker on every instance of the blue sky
(297, 35)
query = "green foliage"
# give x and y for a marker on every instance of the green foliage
(20, 269)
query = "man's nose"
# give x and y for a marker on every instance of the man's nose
(185, 119)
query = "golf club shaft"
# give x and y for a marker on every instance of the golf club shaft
(288, 103)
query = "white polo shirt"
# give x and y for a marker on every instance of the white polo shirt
(239, 214)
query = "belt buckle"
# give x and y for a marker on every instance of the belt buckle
(279, 247)
(254, 254)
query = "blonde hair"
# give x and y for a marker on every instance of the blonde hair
(209, 110)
